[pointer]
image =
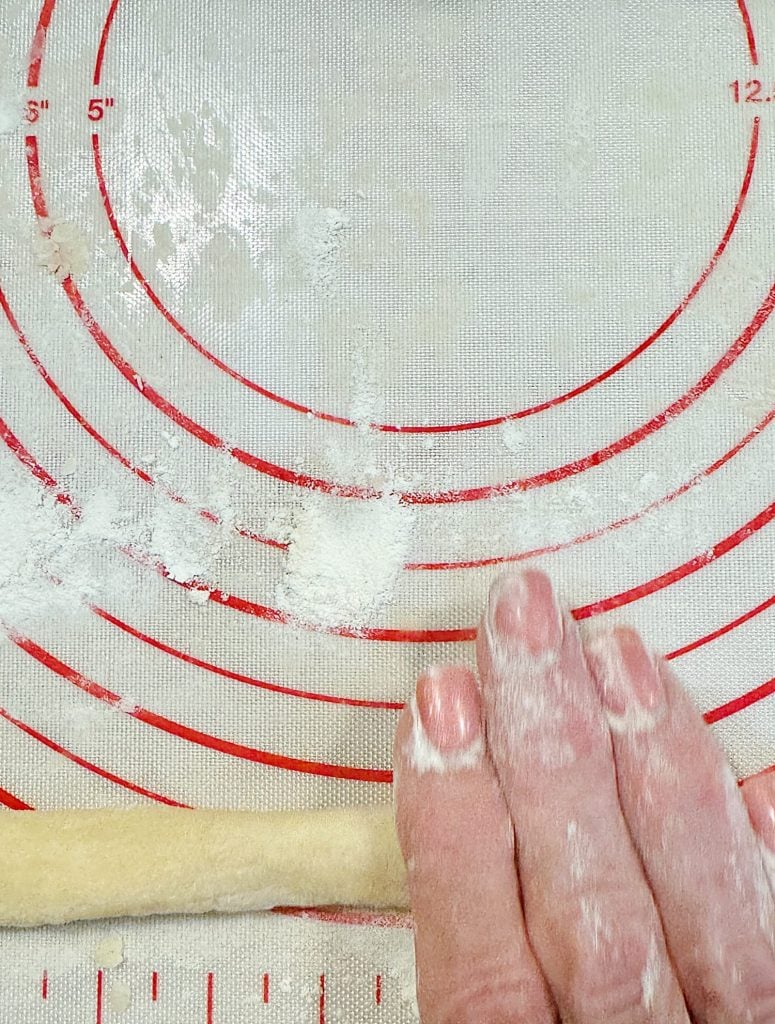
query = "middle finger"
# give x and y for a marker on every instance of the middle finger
(589, 912)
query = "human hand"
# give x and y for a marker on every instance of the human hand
(577, 847)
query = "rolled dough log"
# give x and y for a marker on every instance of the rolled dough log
(58, 866)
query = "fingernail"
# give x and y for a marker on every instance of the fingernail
(448, 703)
(523, 614)
(627, 678)
(447, 728)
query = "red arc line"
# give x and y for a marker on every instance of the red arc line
(239, 677)
(104, 42)
(114, 453)
(355, 491)
(745, 700)
(718, 550)
(494, 560)
(749, 33)
(88, 765)
(39, 44)
(12, 802)
(548, 549)
(461, 564)
(425, 428)
(441, 635)
(722, 630)
(184, 732)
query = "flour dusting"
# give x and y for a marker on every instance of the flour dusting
(317, 240)
(651, 975)
(55, 556)
(343, 559)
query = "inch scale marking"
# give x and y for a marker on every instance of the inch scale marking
(101, 989)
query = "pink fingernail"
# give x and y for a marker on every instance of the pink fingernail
(449, 707)
(627, 676)
(523, 614)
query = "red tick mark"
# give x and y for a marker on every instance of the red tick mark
(210, 992)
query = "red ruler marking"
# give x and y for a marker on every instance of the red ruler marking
(154, 986)
(265, 988)
(751, 38)
(378, 990)
(44, 986)
(322, 1000)
(39, 44)
(210, 997)
(99, 998)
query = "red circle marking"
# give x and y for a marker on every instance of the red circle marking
(411, 566)
(195, 736)
(749, 33)
(441, 635)
(12, 802)
(88, 765)
(150, 718)
(436, 428)
(286, 475)
(114, 453)
(239, 677)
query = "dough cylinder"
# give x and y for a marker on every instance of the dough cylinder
(59, 866)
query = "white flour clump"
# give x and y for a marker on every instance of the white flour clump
(120, 998)
(110, 951)
(62, 249)
(317, 239)
(344, 557)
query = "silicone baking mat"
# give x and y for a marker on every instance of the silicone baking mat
(316, 316)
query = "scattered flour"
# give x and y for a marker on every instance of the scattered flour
(62, 249)
(316, 243)
(343, 559)
(513, 436)
(109, 952)
(42, 541)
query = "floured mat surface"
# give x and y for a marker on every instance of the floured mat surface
(314, 317)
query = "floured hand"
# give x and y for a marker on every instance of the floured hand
(578, 849)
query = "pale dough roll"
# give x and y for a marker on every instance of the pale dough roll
(58, 866)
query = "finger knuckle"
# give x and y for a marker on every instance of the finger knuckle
(494, 997)
(611, 984)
